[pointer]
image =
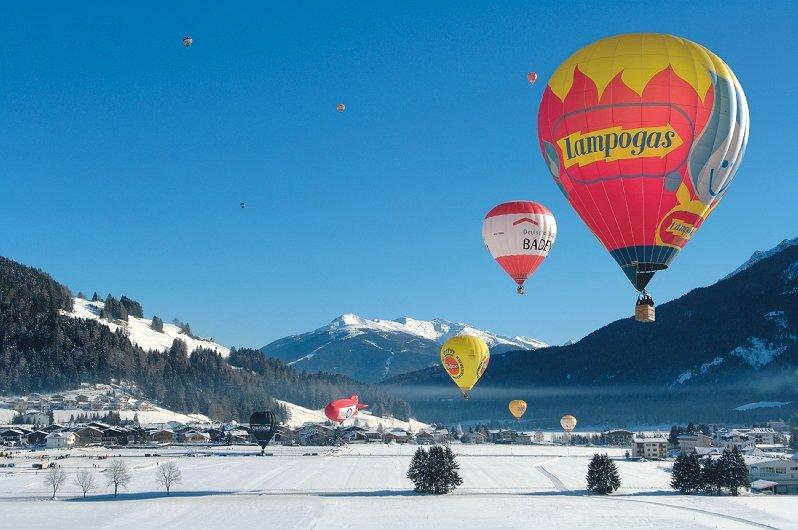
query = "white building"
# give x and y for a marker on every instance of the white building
(689, 442)
(761, 435)
(735, 438)
(779, 470)
(649, 447)
(35, 417)
(59, 440)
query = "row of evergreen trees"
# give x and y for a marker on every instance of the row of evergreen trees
(121, 309)
(692, 474)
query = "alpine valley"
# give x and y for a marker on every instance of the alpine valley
(727, 352)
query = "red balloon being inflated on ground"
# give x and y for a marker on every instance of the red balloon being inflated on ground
(343, 409)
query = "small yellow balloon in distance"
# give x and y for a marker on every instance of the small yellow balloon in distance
(517, 408)
(568, 423)
(465, 359)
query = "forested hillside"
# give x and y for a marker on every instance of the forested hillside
(43, 350)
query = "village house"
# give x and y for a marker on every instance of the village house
(13, 436)
(734, 439)
(761, 435)
(37, 438)
(688, 442)
(315, 434)
(35, 417)
(397, 435)
(776, 474)
(162, 436)
(115, 436)
(88, 435)
(473, 438)
(59, 440)
(649, 447)
(195, 437)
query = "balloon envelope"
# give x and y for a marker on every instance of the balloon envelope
(465, 359)
(531, 77)
(519, 236)
(340, 107)
(568, 423)
(263, 426)
(643, 133)
(340, 410)
(517, 408)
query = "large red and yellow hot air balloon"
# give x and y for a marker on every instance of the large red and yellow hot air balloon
(519, 236)
(643, 133)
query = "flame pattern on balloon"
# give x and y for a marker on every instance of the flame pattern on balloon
(643, 133)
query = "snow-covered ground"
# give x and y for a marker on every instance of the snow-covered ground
(365, 486)
(139, 331)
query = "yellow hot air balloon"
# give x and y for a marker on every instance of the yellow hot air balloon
(568, 423)
(517, 408)
(465, 359)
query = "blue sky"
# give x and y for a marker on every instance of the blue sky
(124, 156)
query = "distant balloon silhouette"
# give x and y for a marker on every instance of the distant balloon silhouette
(187, 41)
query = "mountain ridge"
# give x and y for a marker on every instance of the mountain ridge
(371, 350)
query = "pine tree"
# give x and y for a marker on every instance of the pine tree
(602, 475)
(434, 471)
(710, 475)
(95, 297)
(156, 324)
(418, 471)
(794, 438)
(733, 471)
(687, 473)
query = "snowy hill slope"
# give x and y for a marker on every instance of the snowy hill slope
(139, 331)
(371, 350)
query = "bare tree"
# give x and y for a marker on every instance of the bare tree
(167, 475)
(84, 479)
(55, 478)
(118, 475)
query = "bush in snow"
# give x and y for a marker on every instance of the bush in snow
(434, 471)
(602, 475)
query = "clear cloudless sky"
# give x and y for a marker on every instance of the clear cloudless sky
(124, 156)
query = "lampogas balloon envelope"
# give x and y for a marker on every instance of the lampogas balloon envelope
(519, 236)
(517, 408)
(263, 426)
(568, 423)
(643, 133)
(465, 359)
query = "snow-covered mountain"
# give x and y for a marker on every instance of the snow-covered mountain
(139, 332)
(759, 255)
(373, 349)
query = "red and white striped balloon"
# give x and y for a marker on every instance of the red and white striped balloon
(519, 236)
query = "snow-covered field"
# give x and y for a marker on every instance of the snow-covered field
(365, 486)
